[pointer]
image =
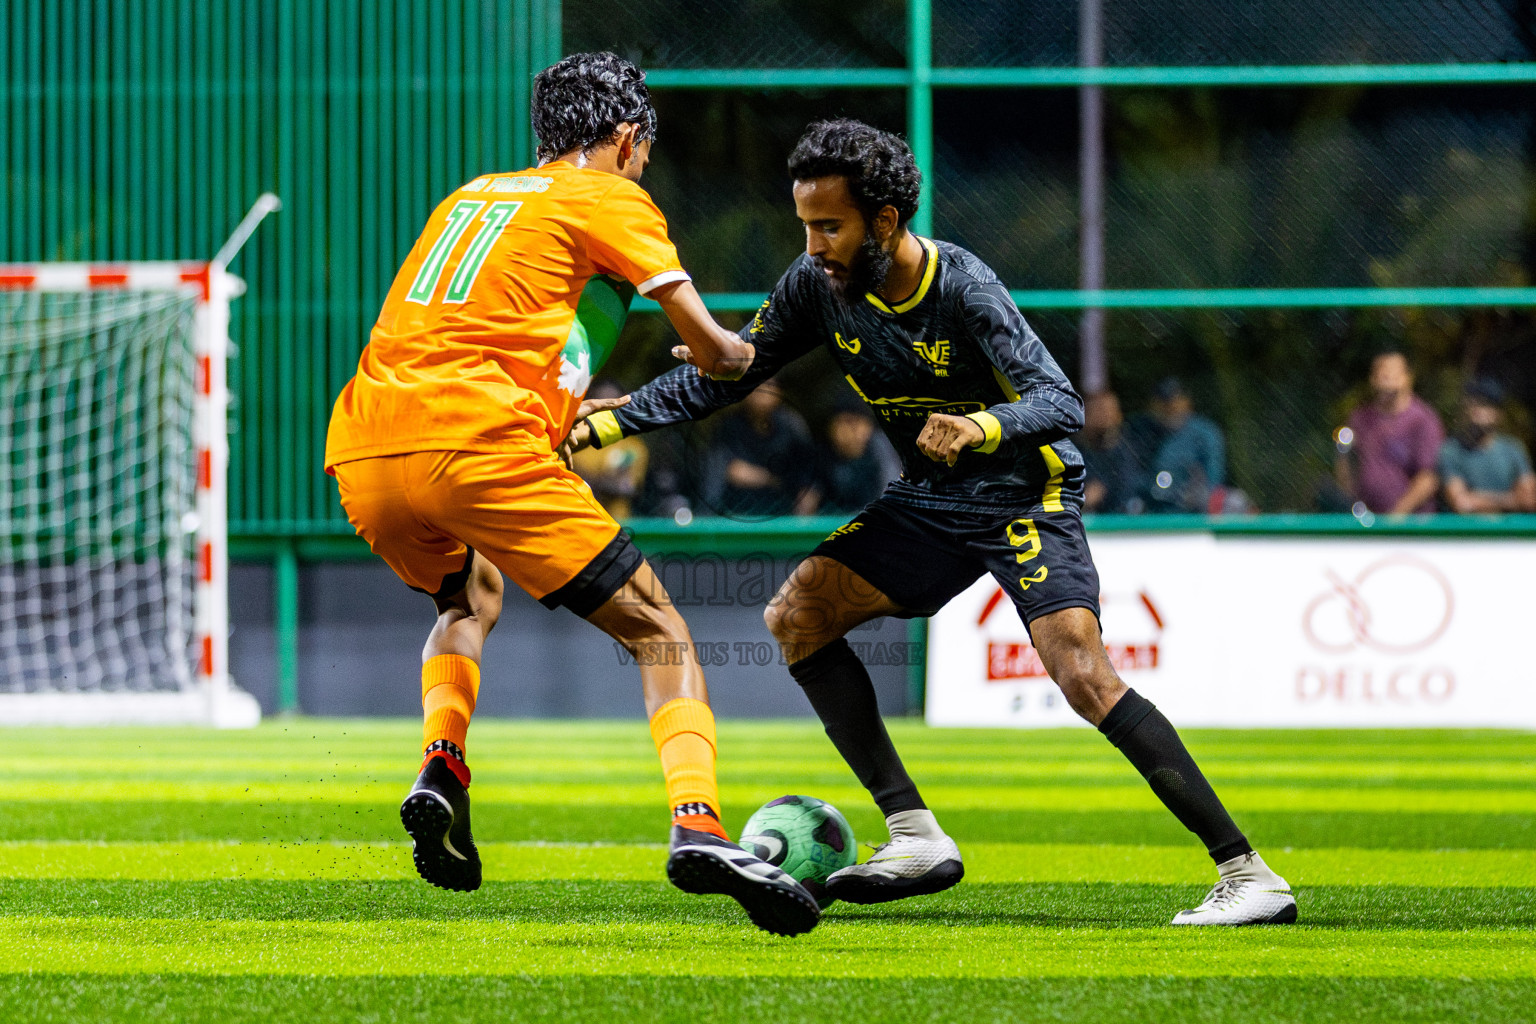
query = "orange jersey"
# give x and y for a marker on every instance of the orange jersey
(470, 352)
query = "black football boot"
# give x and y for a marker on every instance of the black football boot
(436, 814)
(702, 862)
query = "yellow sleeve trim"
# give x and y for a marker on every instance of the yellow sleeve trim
(605, 428)
(1050, 500)
(991, 429)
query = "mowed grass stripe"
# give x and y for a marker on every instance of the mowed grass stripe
(560, 999)
(1432, 918)
(351, 748)
(1131, 797)
(782, 770)
(314, 821)
(377, 733)
(1097, 905)
(884, 947)
(985, 862)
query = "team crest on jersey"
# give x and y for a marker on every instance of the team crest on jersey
(849, 345)
(935, 354)
(576, 366)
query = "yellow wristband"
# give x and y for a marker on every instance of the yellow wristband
(991, 431)
(605, 428)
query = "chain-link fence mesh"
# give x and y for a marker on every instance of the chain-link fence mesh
(743, 33)
(1323, 187)
(1002, 33)
(1248, 188)
(362, 115)
(1276, 383)
(719, 172)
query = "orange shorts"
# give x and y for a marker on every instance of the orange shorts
(527, 513)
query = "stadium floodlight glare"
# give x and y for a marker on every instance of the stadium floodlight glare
(114, 603)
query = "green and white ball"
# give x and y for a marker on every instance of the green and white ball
(806, 837)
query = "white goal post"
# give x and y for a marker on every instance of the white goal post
(114, 570)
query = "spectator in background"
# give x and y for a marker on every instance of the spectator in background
(856, 465)
(672, 476)
(1481, 469)
(1114, 469)
(1184, 453)
(616, 471)
(1387, 451)
(762, 459)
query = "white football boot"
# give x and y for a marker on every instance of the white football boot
(1248, 893)
(920, 859)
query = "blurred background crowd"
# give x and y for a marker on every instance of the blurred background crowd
(1396, 453)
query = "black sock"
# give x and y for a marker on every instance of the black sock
(1149, 741)
(840, 690)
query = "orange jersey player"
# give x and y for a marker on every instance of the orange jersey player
(446, 449)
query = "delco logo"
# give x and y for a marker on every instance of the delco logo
(1399, 605)
(1393, 608)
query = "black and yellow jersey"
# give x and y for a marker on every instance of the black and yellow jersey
(958, 346)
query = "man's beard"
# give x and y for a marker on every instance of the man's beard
(870, 265)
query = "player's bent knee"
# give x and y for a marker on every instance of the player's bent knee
(776, 618)
(1087, 681)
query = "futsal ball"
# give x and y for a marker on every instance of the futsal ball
(805, 837)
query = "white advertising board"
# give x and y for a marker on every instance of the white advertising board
(1221, 631)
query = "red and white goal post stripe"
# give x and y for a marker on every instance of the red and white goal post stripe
(213, 700)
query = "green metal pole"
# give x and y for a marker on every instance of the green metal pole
(920, 138)
(286, 623)
(538, 18)
(521, 92)
(917, 667)
(920, 103)
(556, 33)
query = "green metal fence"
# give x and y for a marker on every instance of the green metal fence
(1268, 166)
(140, 131)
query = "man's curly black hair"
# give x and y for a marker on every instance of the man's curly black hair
(579, 103)
(878, 165)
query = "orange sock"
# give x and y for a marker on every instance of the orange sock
(449, 685)
(684, 731)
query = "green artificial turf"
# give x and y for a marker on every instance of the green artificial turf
(191, 875)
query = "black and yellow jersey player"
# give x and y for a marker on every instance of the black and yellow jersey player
(980, 414)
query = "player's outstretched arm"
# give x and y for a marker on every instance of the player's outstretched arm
(718, 353)
(779, 335)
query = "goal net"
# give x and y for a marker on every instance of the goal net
(113, 445)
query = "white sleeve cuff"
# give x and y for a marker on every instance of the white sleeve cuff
(665, 277)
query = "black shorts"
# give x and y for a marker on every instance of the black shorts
(921, 558)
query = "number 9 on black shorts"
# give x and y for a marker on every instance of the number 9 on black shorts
(921, 558)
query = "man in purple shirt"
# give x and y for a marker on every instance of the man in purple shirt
(1388, 450)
